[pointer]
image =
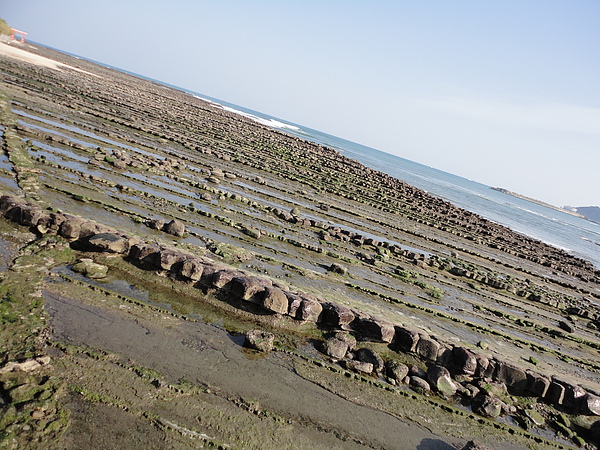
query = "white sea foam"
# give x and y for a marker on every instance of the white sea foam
(268, 122)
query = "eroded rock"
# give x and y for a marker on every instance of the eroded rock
(260, 340)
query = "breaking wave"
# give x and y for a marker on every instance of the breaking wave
(268, 122)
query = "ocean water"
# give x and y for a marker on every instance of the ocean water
(577, 236)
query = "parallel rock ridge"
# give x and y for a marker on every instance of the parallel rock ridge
(447, 358)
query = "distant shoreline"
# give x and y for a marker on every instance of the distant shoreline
(539, 202)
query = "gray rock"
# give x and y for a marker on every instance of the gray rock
(156, 224)
(71, 227)
(396, 370)
(89, 229)
(90, 269)
(175, 227)
(347, 338)
(419, 383)
(514, 378)
(483, 363)
(574, 396)
(472, 445)
(555, 393)
(487, 406)
(444, 356)
(417, 372)
(566, 326)
(310, 310)
(591, 404)
(359, 366)
(492, 388)
(369, 356)
(31, 214)
(109, 242)
(335, 348)
(252, 232)
(440, 379)
(260, 340)
(537, 385)
(337, 268)
(50, 222)
(294, 302)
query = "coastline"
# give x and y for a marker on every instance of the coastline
(231, 183)
(539, 202)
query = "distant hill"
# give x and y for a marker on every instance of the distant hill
(591, 212)
(4, 27)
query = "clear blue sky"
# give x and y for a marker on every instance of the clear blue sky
(506, 93)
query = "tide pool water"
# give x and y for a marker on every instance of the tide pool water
(577, 236)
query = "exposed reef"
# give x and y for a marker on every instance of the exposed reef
(149, 216)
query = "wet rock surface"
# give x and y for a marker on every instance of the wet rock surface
(291, 234)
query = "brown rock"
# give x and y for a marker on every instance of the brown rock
(294, 302)
(406, 339)
(146, 254)
(109, 242)
(275, 300)
(376, 328)
(250, 289)
(310, 310)
(171, 259)
(347, 338)
(71, 227)
(336, 316)
(192, 269)
(9, 201)
(222, 278)
(514, 378)
(464, 361)
(428, 348)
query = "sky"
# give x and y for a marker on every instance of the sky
(505, 93)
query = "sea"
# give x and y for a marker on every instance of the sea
(577, 236)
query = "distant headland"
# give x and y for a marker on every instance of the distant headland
(584, 212)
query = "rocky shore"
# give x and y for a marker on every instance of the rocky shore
(366, 285)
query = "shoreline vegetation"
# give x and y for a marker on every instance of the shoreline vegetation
(177, 275)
